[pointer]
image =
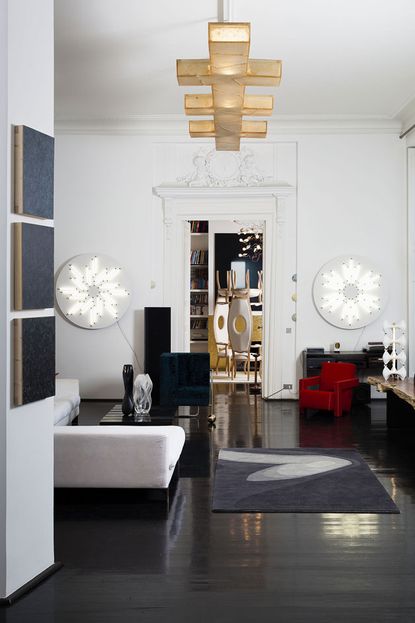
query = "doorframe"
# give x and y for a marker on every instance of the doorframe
(254, 203)
(411, 257)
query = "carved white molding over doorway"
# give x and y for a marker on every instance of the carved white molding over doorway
(274, 205)
(214, 169)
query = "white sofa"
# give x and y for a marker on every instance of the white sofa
(67, 401)
(117, 456)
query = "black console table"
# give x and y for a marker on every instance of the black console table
(366, 362)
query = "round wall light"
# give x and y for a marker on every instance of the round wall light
(349, 292)
(92, 291)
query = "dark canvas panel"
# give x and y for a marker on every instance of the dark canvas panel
(34, 265)
(34, 353)
(34, 171)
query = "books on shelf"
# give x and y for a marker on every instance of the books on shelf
(199, 310)
(199, 279)
(198, 323)
(198, 298)
(198, 283)
(199, 227)
(198, 256)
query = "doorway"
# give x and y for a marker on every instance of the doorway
(274, 205)
(226, 272)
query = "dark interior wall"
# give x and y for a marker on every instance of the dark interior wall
(227, 248)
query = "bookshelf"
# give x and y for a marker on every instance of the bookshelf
(199, 285)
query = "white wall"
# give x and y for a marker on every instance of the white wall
(103, 194)
(26, 432)
(350, 200)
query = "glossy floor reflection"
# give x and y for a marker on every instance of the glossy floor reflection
(132, 565)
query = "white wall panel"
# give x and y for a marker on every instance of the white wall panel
(350, 200)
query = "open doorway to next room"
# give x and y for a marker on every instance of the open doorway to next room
(226, 294)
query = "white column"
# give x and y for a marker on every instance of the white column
(26, 433)
(4, 268)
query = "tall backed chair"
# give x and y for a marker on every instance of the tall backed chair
(220, 329)
(224, 294)
(257, 292)
(185, 380)
(240, 332)
(334, 388)
(240, 293)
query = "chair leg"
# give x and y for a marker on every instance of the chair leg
(211, 416)
(337, 405)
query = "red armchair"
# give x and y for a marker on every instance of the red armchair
(335, 388)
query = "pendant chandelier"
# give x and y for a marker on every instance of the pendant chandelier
(251, 240)
(228, 70)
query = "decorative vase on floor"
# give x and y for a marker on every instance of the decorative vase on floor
(143, 386)
(127, 406)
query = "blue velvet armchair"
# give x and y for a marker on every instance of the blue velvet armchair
(185, 380)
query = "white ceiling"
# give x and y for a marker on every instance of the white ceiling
(116, 58)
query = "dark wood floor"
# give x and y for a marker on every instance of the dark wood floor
(127, 563)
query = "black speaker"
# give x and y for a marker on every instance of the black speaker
(157, 340)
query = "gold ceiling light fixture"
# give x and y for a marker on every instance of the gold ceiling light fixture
(228, 70)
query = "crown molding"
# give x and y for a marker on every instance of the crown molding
(179, 191)
(176, 125)
(406, 115)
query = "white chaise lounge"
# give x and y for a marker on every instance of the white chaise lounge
(121, 457)
(66, 407)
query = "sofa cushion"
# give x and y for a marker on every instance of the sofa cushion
(116, 456)
(62, 412)
(68, 389)
(67, 401)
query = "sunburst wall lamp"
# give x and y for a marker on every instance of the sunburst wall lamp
(92, 291)
(349, 292)
(228, 71)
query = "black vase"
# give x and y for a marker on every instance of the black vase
(127, 406)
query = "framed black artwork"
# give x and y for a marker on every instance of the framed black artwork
(34, 359)
(33, 172)
(33, 266)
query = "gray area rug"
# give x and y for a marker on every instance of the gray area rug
(311, 480)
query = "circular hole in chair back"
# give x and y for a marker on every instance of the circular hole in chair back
(239, 324)
(221, 322)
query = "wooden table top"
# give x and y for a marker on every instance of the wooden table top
(403, 389)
